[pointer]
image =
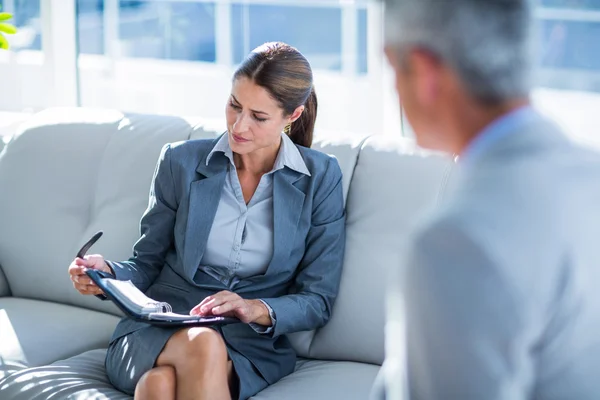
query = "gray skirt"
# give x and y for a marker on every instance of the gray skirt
(131, 356)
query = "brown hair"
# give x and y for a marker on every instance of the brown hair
(286, 74)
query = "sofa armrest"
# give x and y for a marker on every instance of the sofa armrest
(4, 288)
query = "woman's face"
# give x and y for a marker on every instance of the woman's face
(254, 119)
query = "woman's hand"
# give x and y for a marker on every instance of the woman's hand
(81, 281)
(228, 304)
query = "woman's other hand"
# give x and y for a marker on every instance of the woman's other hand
(81, 281)
(228, 304)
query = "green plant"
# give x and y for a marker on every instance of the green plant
(5, 28)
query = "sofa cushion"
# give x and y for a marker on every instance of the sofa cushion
(79, 377)
(323, 380)
(393, 182)
(83, 376)
(34, 333)
(4, 288)
(346, 151)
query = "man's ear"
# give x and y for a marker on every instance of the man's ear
(425, 72)
(296, 114)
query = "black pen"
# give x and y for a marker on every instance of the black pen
(83, 251)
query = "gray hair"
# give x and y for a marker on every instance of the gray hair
(488, 43)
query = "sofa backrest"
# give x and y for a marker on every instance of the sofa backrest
(393, 183)
(67, 174)
(71, 172)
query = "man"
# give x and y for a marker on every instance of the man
(502, 284)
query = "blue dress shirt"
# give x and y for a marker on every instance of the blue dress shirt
(498, 129)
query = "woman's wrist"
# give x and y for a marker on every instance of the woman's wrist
(260, 313)
(108, 268)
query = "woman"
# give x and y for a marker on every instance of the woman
(249, 225)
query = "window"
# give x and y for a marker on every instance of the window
(186, 30)
(568, 75)
(569, 47)
(22, 66)
(318, 32)
(315, 31)
(567, 86)
(178, 56)
(26, 17)
(170, 30)
(361, 41)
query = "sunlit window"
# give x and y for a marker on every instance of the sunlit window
(177, 57)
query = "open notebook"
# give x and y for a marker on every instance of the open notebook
(135, 304)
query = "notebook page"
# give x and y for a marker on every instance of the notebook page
(128, 290)
(171, 316)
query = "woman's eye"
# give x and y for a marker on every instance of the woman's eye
(238, 108)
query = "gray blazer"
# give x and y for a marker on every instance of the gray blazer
(502, 295)
(302, 279)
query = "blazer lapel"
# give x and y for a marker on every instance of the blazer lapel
(288, 201)
(205, 195)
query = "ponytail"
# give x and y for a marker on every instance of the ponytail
(301, 131)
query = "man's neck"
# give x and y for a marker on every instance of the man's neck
(475, 118)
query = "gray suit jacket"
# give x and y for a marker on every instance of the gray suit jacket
(502, 295)
(302, 279)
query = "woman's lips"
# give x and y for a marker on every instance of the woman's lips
(239, 139)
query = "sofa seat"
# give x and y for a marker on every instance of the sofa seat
(79, 377)
(34, 333)
(83, 377)
(324, 380)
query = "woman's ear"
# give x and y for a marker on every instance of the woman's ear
(296, 114)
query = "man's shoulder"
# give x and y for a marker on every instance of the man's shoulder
(537, 168)
(541, 144)
(525, 199)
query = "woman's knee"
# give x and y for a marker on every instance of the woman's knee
(206, 341)
(157, 383)
(194, 345)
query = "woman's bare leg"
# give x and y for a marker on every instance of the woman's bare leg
(199, 358)
(158, 383)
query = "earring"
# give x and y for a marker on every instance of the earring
(287, 129)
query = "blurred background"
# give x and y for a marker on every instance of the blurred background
(177, 57)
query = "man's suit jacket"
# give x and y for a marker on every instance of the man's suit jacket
(302, 279)
(502, 284)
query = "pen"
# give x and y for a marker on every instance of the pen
(83, 251)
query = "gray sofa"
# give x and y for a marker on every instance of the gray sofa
(70, 172)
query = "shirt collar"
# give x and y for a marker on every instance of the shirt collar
(222, 146)
(497, 130)
(288, 155)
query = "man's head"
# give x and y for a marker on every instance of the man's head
(456, 58)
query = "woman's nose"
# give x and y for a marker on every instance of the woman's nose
(240, 124)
